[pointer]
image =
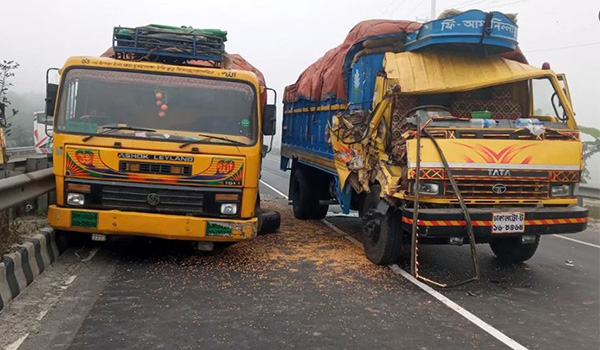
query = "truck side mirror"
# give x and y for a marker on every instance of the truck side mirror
(269, 120)
(51, 91)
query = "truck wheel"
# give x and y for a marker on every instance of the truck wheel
(512, 250)
(304, 198)
(68, 239)
(320, 211)
(270, 221)
(370, 200)
(382, 237)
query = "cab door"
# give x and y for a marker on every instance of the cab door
(562, 79)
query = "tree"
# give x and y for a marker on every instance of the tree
(6, 72)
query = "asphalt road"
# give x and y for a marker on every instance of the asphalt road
(305, 287)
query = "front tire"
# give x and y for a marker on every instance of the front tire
(512, 250)
(382, 236)
(270, 221)
(68, 239)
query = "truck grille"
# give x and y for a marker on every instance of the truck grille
(152, 199)
(155, 168)
(484, 189)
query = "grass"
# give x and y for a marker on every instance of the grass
(15, 231)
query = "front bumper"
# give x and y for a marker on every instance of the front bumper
(445, 223)
(152, 225)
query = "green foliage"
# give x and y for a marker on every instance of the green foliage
(6, 71)
(593, 132)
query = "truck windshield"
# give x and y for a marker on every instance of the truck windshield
(513, 105)
(174, 108)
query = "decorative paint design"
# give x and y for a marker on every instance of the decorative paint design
(489, 223)
(504, 156)
(428, 174)
(564, 176)
(88, 163)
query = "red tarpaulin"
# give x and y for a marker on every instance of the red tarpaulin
(325, 78)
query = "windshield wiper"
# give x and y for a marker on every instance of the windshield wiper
(112, 128)
(206, 136)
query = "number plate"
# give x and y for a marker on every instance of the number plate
(508, 222)
(84, 219)
(218, 229)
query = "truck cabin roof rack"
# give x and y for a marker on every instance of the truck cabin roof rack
(169, 45)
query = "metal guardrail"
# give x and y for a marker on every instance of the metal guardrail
(17, 151)
(16, 166)
(589, 192)
(17, 189)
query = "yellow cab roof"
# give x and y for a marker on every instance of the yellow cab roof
(153, 67)
(440, 72)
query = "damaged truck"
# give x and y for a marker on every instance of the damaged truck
(437, 133)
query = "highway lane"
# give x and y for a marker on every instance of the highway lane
(305, 287)
(551, 301)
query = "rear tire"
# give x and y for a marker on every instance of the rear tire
(306, 195)
(511, 250)
(382, 237)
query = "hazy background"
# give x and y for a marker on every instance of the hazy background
(283, 37)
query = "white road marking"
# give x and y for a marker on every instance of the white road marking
(464, 313)
(444, 300)
(42, 314)
(68, 282)
(577, 241)
(449, 303)
(91, 255)
(275, 190)
(16, 344)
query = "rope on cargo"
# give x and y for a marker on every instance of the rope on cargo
(414, 263)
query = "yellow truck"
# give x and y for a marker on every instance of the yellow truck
(151, 143)
(446, 144)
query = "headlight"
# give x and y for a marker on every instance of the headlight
(75, 199)
(560, 190)
(429, 188)
(229, 208)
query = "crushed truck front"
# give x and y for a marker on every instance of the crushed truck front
(157, 150)
(506, 132)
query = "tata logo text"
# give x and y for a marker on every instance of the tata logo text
(498, 172)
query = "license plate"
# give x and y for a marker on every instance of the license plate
(217, 229)
(508, 222)
(84, 219)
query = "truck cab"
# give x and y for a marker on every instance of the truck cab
(437, 134)
(165, 150)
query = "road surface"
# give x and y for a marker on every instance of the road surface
(308, 286)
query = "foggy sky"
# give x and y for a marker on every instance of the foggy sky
(282, 38)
